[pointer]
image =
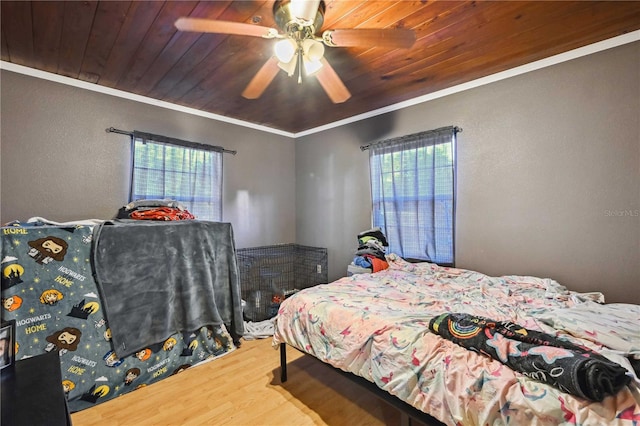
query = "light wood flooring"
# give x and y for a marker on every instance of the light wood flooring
(243, 388)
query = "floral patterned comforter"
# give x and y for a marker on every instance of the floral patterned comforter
(376, 326)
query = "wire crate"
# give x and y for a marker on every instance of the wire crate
(277, 270)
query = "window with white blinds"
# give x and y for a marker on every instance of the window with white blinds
(413, 194)
(192, 176)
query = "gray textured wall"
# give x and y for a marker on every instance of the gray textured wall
(548, 175)
(549, 168)
(58, 162)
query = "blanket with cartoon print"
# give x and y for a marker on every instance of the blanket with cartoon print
(157, 278)
(571, 368)
(48, 287)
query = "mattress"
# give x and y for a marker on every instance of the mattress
(376, 326)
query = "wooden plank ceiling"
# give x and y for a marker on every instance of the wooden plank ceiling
(134, 46)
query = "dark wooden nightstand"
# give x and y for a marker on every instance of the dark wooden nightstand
(32, 393)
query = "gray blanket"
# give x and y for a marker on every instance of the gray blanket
(157, 278)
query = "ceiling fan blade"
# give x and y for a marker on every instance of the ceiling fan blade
(331, 83)
(262, 79)
(370, 37)
(224, 27)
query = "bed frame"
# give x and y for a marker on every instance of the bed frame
(408, 413)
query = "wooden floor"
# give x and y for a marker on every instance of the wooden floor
(243, 388)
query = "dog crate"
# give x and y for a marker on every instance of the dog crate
(270, 273)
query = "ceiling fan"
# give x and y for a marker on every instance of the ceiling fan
(300, 50)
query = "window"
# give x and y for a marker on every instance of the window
(413, 194)
(191, 175)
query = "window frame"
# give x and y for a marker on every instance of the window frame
(188, 200)
(435, 199)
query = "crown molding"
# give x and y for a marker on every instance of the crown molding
(533, 66)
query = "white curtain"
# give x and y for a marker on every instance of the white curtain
(413, 194)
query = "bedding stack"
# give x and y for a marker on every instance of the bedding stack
(370, 255)
(154, 210)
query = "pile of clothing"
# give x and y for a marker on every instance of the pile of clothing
(370, 255)
(154, 210)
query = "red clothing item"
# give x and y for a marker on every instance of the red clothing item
(161, 213)
(378, 264)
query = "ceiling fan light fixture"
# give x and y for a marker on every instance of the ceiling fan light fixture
(311, 67)
(290, 66)
(305, 10)
(313, 49)
(285, 50)
(297, 14)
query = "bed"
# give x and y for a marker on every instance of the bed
(70, 287)
(382, 328)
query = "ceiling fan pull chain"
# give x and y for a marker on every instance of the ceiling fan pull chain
(300, 53)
